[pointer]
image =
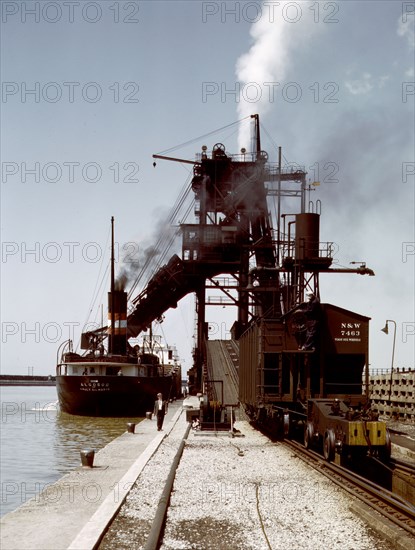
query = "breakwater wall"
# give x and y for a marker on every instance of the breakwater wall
(26, 380)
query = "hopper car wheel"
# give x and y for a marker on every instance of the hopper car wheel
(328, 445)
(308, 435)
(286, 424)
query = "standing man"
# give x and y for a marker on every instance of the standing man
(160, 410)
(313, 313)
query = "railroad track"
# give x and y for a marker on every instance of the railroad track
(395, 509)
(222, 363)
(231, 358)
(403, 466)
(392, 507)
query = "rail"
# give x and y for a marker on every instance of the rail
(222, 359)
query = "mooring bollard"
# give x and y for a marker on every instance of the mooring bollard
(149, 415)
(87, 457)
(130, 427)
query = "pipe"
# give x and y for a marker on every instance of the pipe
(289, 237)
(156, 528)
(69, 342)
(279, 207)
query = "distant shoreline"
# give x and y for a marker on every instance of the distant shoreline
(26, 380)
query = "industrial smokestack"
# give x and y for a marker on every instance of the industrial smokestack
(307, 236)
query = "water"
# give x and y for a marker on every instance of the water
(39, 444)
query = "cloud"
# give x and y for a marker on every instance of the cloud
(406, 29)
(269, 59)
(366, 83)
(360, 86)
(383, 80)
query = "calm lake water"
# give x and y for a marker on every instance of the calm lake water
(39, 444)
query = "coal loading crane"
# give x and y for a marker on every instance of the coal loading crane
(295, 358)
(233, 235)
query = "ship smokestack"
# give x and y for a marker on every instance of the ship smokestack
(117, 334)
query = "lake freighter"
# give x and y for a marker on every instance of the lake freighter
(116, 379)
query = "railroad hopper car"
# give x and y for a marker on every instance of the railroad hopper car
(287, 389)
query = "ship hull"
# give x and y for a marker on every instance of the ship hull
(111, 395)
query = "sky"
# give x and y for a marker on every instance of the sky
(91, 90)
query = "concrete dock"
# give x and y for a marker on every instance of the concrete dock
(74, 511)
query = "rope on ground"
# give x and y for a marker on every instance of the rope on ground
(260, 517)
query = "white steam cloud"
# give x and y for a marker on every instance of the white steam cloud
(262, 71)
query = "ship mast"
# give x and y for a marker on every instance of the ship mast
(110, 340)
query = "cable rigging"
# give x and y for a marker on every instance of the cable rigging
(202, 136)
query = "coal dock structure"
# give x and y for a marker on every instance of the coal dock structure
(233, 468)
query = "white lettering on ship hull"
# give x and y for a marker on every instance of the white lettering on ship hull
(94, 387)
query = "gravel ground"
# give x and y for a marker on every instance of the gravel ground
(242, 493)
(249, 493)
